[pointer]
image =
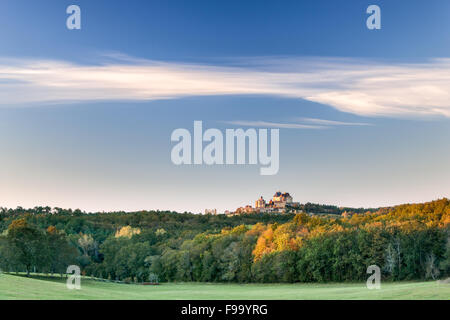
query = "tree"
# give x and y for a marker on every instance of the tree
(61, 253)
(27, 246)
(445, 264)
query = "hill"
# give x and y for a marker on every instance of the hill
(407, 242)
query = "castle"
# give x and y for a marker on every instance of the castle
(280, 203)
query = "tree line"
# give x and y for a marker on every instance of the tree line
(407, 242)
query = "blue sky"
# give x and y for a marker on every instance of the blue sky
(80, 128)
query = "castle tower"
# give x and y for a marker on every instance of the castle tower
(260, 203)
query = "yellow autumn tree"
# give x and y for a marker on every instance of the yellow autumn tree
(127, 231)
(264, 244)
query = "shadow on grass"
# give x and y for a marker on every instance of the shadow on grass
(45, 277)
(63, 278)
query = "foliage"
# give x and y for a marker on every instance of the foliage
(408, 242)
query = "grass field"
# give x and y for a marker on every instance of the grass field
(19, 287)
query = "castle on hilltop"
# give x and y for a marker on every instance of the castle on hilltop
(280, 203)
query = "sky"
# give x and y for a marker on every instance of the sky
(86, 115)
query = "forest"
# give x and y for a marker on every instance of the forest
(408, 242)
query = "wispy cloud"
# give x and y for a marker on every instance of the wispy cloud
(299, 123)
(350, 85)
(270, 124)
(332, 122)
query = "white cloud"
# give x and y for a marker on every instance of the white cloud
(332, 122)
(360, 87)
(301, 123)
(269, 124)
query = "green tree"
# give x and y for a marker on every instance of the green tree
(28, 247)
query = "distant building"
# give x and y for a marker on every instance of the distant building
(211, 211)
(282, 197)
(246, 209)
(260, 203)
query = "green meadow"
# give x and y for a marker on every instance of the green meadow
(51, 288)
